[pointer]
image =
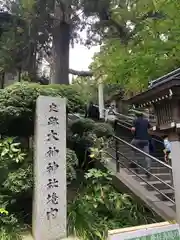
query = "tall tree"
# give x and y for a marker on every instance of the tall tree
(59, 22)
(53, 25)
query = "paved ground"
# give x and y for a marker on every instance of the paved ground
(29, 237)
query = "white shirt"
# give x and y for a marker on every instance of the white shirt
(167, 145)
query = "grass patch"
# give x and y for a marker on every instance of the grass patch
(10, 234)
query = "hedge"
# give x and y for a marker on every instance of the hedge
(17, 105)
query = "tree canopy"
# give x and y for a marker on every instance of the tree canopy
(51, 27)
(140, 39)
(152, 51)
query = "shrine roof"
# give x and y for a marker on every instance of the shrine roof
(158, 89)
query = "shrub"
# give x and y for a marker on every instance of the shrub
(82, 126)
(72, 163)
(103, 130)
(9, 227)
(98, 207)
(85, 125)
(17, 105)
(10, 234)
(84, 133)
(16, 178)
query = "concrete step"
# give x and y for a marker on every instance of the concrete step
(170, 204)
(167, 192)
(128, 148)
(140, 162)
(141, 158)
(156, 170)
(128, 151)
(126, 164)
(130, 154)
(163, 176)
(156, 184)
(158, 146)
(156, 167)
(128, 136)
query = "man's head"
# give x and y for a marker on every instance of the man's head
(139, 115)
(165, 137)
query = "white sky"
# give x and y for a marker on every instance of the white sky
(81, 57)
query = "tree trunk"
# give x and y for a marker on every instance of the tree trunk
(61, 41)
(19, 74)
(32, 63)
(2, 80)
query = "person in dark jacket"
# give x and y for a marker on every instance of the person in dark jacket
(141, 138)
(151, 146)
(92, 112)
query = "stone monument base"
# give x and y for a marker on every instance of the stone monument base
(29, 237)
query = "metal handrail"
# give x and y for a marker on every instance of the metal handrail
(137, 149)
(144, 169)
(130, 126)
(144, 180)
(132, 110)
(122, 125)
(127, 117)
(122, 115)
(144, 153)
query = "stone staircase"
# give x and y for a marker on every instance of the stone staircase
(157, 191)
(159, 184)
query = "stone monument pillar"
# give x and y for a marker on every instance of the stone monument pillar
(49, 205)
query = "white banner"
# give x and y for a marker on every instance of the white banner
(148, 232)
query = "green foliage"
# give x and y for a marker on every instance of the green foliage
(8, 220)
(99, 207)
(8, 226)
(17, 105)
(72, 163)
(38, 30)
(13, 47)
(85, 125)
(11, 151)
(87, 87)
(3, 212)
(152, 51)
(6, 234)
(103, 130)
(19, 178)
(82, 126)
(19, 181)
(86, 135)
(16, 181)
